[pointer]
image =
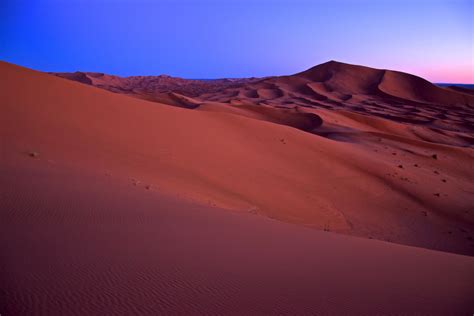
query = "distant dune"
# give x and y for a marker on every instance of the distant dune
(469, 89)
(392, 95)
(224, 196)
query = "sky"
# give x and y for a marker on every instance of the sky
(214, 39)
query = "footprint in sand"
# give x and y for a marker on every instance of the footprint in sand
(33, 154)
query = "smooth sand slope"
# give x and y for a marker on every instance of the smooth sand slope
(119, 205)
(75, 242)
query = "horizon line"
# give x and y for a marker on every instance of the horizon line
(233, 78)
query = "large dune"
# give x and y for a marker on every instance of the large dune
(228, 201)
(388, 94)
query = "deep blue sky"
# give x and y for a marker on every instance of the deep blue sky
(209, 39)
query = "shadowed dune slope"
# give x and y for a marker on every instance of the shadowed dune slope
(357, 177)
(291, 117)
(461, 89)
(354, 79)
(76, 242)
(345, 78)
(417, 89)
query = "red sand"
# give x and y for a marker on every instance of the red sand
(78, 243)
(105, 206)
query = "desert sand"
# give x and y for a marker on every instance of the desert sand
(339, 190)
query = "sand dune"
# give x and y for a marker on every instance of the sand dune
(290, 117)
(392, 187)
(156, 206)
(461, 89)
(137, 85)
(78, 249)
(388, 94)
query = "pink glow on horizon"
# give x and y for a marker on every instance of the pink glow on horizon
(462, 74)
(450, 75)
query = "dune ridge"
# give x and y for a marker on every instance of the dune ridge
(388, 94)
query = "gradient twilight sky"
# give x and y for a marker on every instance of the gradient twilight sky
(209, 39)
